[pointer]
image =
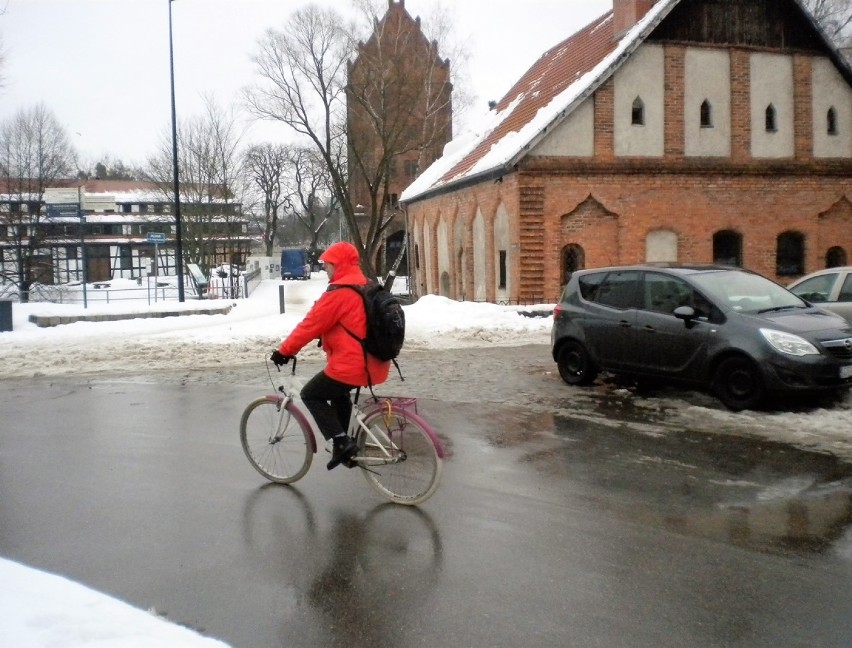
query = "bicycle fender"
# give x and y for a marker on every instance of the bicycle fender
(439, 447)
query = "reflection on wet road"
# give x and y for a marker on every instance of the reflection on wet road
(767, 496)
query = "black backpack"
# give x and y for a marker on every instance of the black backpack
(385, 320)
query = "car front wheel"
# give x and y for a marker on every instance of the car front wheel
(738, 384)
(575, 364)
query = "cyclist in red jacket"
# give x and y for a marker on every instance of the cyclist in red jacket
(327, 395)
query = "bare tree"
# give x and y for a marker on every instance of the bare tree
(316, 203)
(835, 18)
(267, 167)
(295, 193)
(305, 83)
(211, 178)
(303, 72)
(34, 154)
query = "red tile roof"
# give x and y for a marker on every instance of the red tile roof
(557, 69)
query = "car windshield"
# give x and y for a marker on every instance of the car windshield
(745, 292)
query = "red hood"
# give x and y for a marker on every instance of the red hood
(344, 256)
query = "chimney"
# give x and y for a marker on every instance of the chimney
(627, 13)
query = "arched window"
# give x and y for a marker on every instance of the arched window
(831, 121)
(637, 117)
(706, 114)
(573, 259)
(790, 254)
(728, 248)
(835, 257)
(771, 119)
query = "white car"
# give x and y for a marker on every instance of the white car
(830, 289)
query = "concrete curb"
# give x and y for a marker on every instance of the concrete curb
(46, 321)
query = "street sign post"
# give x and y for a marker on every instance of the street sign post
(157, 238)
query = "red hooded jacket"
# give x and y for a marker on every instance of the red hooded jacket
(327, 317)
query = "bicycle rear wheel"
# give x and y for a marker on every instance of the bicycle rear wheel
(279, 444)
(402, 463)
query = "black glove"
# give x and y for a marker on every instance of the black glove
(278, 358)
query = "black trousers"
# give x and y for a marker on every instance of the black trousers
(328, 401)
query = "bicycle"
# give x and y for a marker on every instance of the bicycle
(399, 453)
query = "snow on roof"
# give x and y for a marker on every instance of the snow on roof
(547, 93)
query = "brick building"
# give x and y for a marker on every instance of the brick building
(399, 117)
(676, 130)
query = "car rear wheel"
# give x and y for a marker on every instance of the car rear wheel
(738, 384)
(575, 364)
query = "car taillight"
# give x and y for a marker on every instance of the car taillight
(556, 311)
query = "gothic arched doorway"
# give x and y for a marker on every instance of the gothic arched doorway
(388, 253)
(573, 259)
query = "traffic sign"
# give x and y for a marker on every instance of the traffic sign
(157, 238)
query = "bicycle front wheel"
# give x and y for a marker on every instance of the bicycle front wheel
(277, 440)
(400, 460)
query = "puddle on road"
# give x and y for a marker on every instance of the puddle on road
(753, 493)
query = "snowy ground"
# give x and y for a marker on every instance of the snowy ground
(38, 609)
(253, 327)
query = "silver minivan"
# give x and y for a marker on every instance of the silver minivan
(830, 289)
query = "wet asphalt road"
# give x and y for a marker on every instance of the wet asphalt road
(548, 528)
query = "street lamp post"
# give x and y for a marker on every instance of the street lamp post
(84, 257)
(178, 235)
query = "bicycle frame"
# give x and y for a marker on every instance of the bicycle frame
(400, 405)
(358, 418)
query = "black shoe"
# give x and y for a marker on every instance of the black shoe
(342, 452)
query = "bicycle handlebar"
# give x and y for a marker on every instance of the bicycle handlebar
(293, 371)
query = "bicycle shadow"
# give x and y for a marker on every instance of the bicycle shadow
(365, 575)
(380, 569)
(278, 521)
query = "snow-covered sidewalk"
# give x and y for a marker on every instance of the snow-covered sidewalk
(249, 330)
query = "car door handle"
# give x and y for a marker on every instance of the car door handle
(625, 324)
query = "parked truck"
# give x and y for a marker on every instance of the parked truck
(295, 264)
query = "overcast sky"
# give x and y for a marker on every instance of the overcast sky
(102, 66)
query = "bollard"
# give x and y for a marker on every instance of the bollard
(281, 298)
(6, 315)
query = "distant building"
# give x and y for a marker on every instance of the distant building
(679, 130)
(118, 216)
(414, 101)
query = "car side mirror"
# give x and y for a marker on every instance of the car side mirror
(685, 313)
